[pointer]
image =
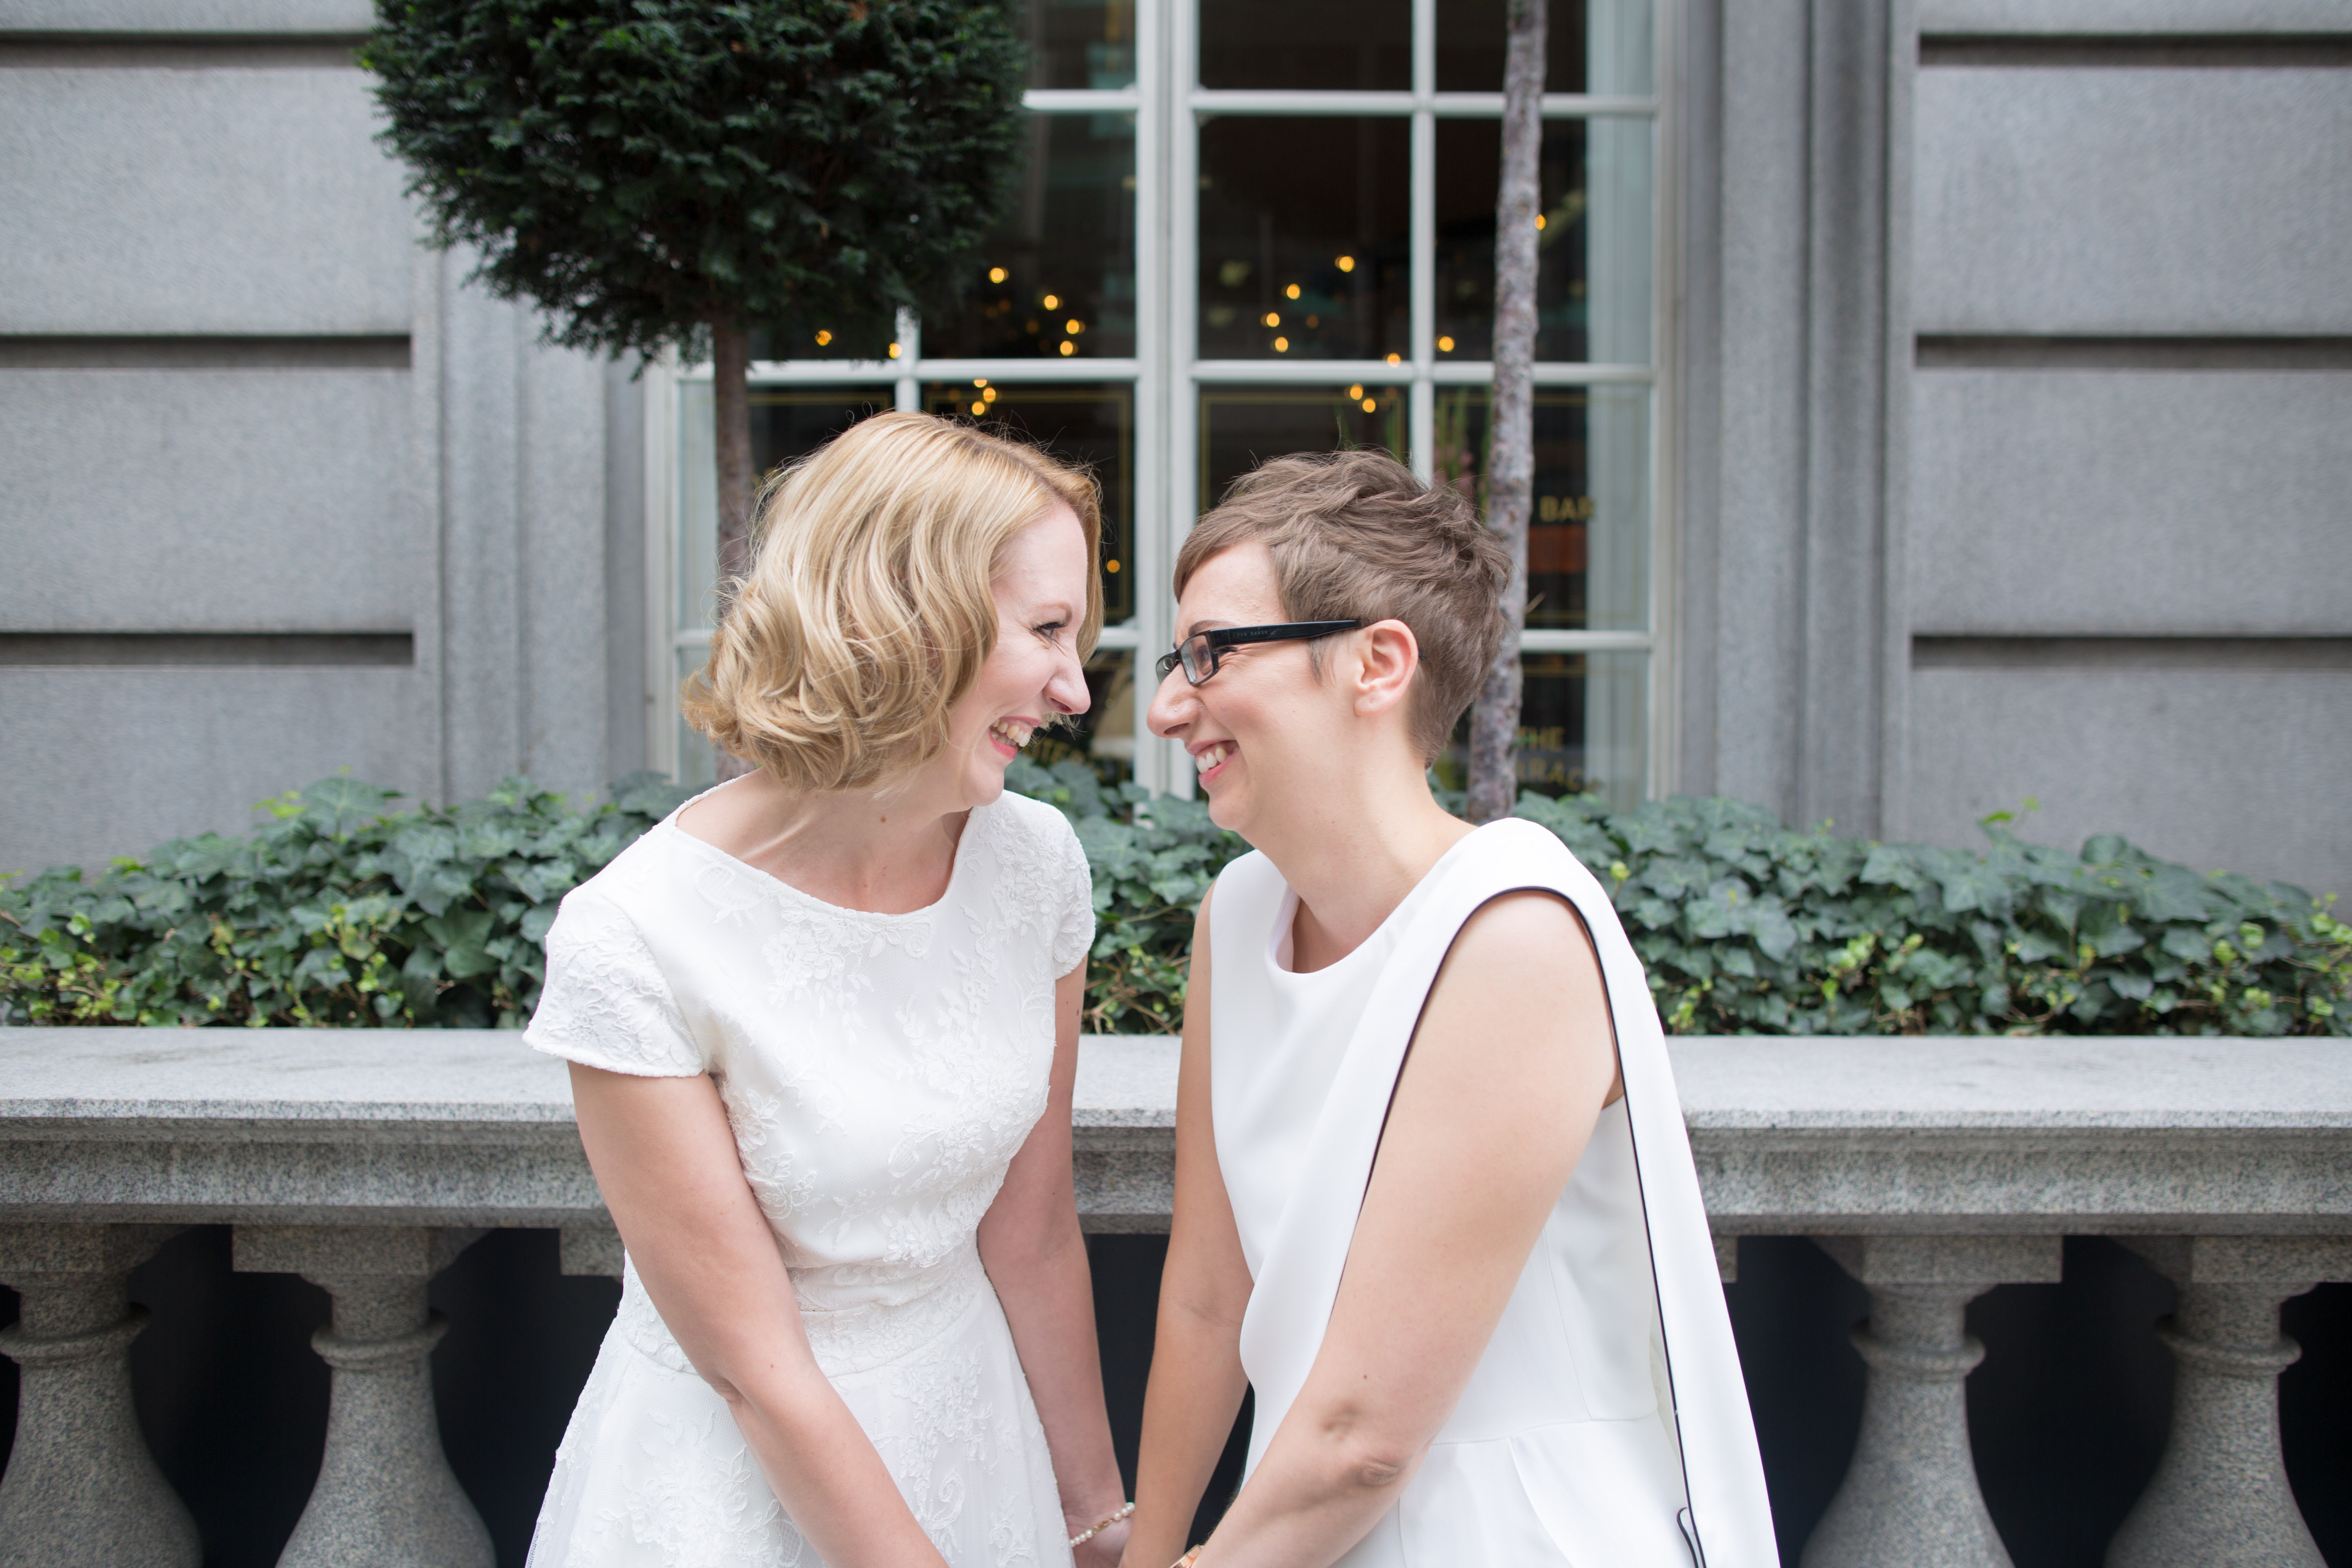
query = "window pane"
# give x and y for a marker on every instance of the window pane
(786, 422)
(1583, 727)
(1588, 543)
(1057, 278)
(1303, 238)
(1243, 427)
(1307, 44)
(1094, 424)
(1081, 43)
(1592, 285)
(1601, 47)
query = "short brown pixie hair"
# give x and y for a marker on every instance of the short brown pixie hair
(868, 609)
(1354, 536)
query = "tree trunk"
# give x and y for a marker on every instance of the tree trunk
(1511, 466)
(730, 406)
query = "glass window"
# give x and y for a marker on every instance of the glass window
(1304, 245)
(1583, 727)
(1094, 424)
(1592, 288)
(1058, 277)
(1614, 34)
(1589, 540)
(1081, 43)
(1242, 427)
(1306, 45)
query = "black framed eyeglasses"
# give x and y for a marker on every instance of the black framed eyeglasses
(1201, 653)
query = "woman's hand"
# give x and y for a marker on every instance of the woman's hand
(1103, 1550)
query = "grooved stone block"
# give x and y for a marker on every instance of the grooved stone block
(2132, 201)
(171, 201)
(2246, 1260)
(1947, 1259)
(238, 500)
(2152, 503)
(344, 16)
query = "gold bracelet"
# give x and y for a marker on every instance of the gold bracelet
(1082, 1537)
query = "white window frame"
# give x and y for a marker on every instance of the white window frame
(1166, 373)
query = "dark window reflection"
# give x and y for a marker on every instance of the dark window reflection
(1081, 43)
(1057, 278)
(1601, 47)
(1469, 160)
(1299, 45)
(1303, 248)
(1588, 542)
(1584, 728)
(1243, 427)
(1090, 423)
(826, 337)
(789, 422)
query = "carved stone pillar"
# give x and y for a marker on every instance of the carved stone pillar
(82, 1486)
(2220, 1495)
(1910, 1494)
(590, 1249)
(385, 1497)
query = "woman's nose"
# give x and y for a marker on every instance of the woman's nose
(1068, 690)
(1171, 705)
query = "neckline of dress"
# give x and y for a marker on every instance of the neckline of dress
(971, 827)
(1287, 914)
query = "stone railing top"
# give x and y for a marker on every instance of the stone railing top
(251, 1078)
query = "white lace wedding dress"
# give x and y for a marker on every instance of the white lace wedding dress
(880, 1072)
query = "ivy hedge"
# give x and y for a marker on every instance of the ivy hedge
(345, 911)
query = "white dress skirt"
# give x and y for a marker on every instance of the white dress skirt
(1606, 1425)
(879, 1072)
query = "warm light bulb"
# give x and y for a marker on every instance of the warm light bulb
(1396, 359)
(980, 381)
(1445, 345)
(1068, 347)
(1052, 301)
(1282, 346)
(1346, 264)
(996, 274)
(1371, 406)
(1539, 220)
(990, 395)
(1356, 391)
(894, 351)
(822, 339)
(1110, 566)
(1073, 326)
(978, 409)
(1272, 318)
(1291, 292)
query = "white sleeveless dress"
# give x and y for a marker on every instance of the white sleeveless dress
(1565, 1447)
(880, 1072)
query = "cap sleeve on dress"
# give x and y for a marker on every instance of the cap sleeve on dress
(605, 1003)
(1075, 931)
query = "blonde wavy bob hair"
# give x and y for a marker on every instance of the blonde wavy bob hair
(867, 612)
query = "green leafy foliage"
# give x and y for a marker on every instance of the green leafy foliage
(346, 911)
(642, 168)
(341, 911)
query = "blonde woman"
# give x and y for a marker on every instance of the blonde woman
(1435, 1203)
(823, 1025)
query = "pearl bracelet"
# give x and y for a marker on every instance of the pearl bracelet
(1082, 1537)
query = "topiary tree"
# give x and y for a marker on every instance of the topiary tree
(657, 173)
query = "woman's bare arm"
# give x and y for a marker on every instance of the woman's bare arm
(1197, 1379)
(1037, 1259)
(666, 1159)
(1510, 1068)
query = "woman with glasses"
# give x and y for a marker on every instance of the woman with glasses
(1434, 1204)
(823, 1024)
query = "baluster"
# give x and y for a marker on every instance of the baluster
(1910, 1494)
(2220, 1495)
(384, 1494)
(82, 1486)
(590, 1249)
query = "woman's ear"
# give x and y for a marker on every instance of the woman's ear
(1387, 655)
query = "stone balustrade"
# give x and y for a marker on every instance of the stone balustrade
(1930, 1170)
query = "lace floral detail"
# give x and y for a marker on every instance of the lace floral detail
(605, 1003)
